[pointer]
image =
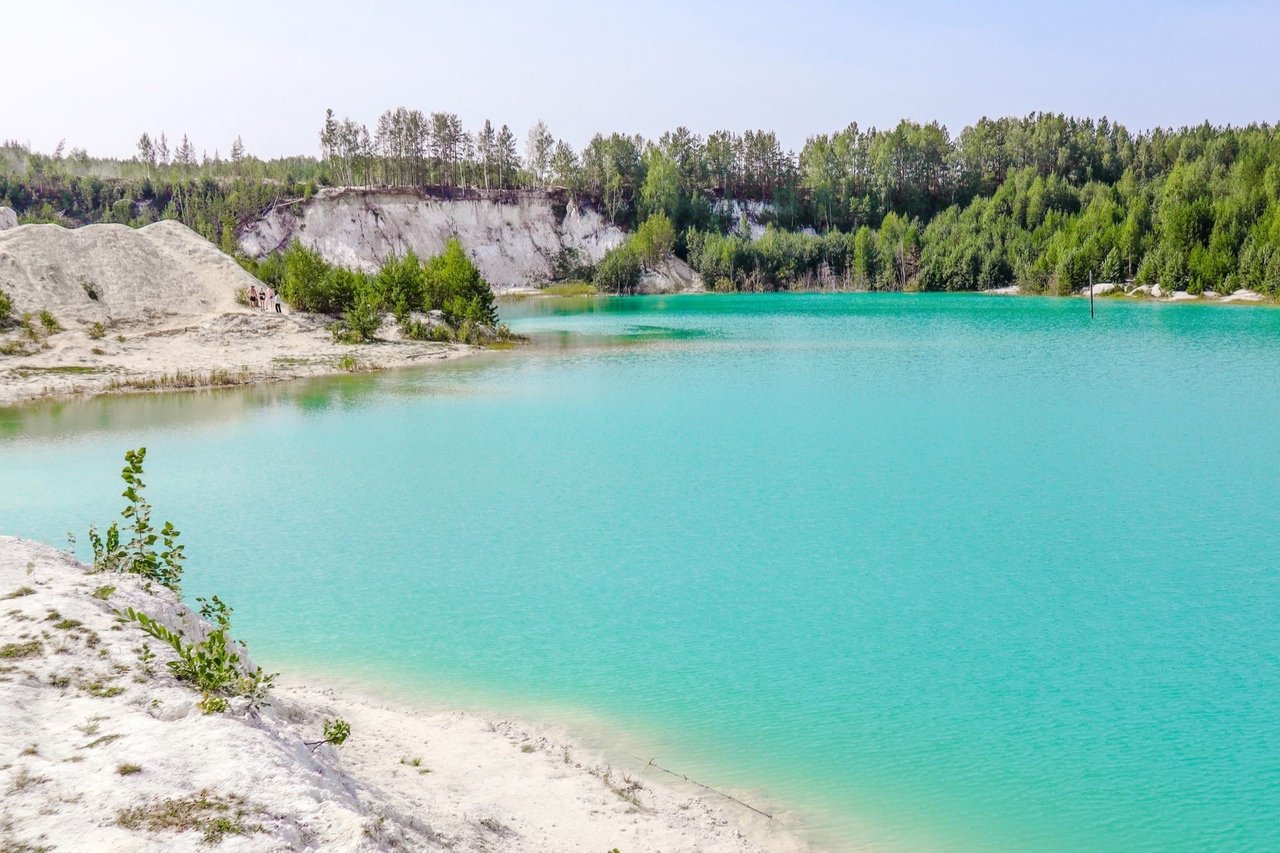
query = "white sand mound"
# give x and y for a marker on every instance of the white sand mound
(99, 751)
(116, 273)
(8, 218)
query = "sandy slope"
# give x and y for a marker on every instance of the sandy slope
(166, 298)
(104, 273)
(77, 707)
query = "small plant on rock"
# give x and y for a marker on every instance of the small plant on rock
(336, 733)
(210, 665)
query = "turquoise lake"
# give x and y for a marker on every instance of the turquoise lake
(926, 572)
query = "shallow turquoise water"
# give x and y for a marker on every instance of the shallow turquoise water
(935, 572)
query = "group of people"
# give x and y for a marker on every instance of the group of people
(264, 298)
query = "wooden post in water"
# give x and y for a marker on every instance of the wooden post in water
(1090, 294)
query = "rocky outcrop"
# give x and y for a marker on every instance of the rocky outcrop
(515, 238)
(8, 219)
(671, 275)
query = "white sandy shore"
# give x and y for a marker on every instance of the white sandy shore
(78, 708)
(238, 347)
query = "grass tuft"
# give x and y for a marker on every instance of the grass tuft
(18, 651)
(213, 816)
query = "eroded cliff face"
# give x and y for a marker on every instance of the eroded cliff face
(515, 238)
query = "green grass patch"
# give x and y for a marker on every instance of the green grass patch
(65, 369)
(213, 816)
(570, 288)
(18, 593)
(102, 741)
(18, 651)
(103, 691)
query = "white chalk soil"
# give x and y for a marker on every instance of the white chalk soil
(513, 237)
(101, 751)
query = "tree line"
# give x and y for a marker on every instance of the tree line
(1043, 200)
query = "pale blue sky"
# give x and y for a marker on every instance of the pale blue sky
(99, 73)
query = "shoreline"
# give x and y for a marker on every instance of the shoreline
(251, 348)
(226, 350)
(406, 778)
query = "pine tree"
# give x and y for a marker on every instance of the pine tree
(146, 152)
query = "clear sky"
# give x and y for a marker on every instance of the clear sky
(98, 73)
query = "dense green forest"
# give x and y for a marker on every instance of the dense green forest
(1042, 201)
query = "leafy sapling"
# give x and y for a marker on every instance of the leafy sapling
(138, 555)
(336, 733)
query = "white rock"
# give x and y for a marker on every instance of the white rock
(513, 237)
(671, 275)
(1243, 295)
(1100, 288)
(8, 218)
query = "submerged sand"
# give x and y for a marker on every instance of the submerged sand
(96, 753)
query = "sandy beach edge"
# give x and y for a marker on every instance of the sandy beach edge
(107, 749)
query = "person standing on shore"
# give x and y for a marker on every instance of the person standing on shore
(275, 297)
(253, 296)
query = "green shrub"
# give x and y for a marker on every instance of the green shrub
(654, 240)
(6, 310)
(308, 283)
(97, 332)
(28, 324)
(619, 270)
(454, 285)
(415, 330)
(362, 319)
(210, 665)
(400, 285)
(50, 323)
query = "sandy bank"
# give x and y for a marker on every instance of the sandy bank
(97, 753)
(236, 348)
(155, 308)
